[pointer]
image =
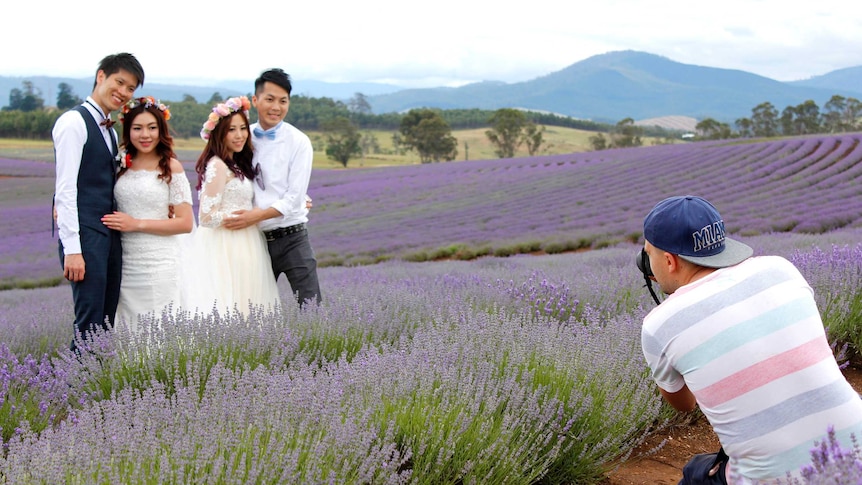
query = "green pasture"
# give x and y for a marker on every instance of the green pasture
(472, 145)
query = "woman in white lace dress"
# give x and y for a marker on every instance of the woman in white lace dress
(150, 179)
(233, 265)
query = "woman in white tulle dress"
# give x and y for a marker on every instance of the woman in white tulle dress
(150, 180)
(232, 266)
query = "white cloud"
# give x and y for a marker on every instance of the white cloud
(445, 43)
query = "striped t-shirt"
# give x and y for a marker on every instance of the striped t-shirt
(749, 343)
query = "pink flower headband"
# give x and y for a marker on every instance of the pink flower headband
(147, 101)
(230, 106)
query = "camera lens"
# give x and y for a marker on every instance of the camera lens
(643, 263)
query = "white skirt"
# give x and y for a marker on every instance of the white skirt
(227, 271)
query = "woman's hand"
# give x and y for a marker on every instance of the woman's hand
(120, 221)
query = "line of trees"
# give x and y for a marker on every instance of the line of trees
(307, 113)
(839, 115)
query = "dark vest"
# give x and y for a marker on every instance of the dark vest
(95, 177)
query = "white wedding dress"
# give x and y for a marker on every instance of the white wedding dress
(232, 268)
(151, 276)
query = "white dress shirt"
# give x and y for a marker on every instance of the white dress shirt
(70, 135)
(285, 165)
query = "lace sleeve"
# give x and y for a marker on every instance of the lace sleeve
(179, 190)
(210, 212)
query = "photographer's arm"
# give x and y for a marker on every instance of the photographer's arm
(681, 400)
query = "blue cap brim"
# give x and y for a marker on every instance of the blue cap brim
(734, 253)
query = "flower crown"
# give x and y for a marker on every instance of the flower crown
(147, 101)
(229, 107)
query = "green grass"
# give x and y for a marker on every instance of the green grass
(558, 140)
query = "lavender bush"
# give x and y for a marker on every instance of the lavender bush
(831, 464)
(836, 276)
(419, 373)
(478, 371)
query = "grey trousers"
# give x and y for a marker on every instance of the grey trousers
(292, 255)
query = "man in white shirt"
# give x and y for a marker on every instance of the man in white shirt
(283, 159)
(85, 147)
(740, 337)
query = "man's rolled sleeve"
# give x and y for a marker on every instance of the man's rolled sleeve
(292, 203)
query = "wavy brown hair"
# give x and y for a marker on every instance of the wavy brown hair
(164, 148)
(240, 163)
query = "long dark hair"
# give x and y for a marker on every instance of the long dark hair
(164, 148)
(240, 163)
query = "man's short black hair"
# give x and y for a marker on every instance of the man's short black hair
(276, 76)
(113, 63)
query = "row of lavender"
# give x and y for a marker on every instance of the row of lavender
(499, 370)
(500, 207)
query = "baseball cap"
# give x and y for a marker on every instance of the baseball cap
(691, 227)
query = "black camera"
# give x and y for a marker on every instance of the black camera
(642, 260)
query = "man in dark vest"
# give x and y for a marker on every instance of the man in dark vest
(85, 151)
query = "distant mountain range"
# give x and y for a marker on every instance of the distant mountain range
(605, 88)
(617, 85)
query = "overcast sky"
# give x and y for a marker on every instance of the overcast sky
(423, 44)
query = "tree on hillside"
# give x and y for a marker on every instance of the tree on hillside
(66, 98)
(342, 139)
(369, 143)
(743, 127)
(215, 99)
(398, 145)
(599, 142)
(841, 114)
(626, 134)
(425, 131)
(764, 120)
(28, 99)
(801, 119)
(359, 104)
(712, 129)
(533, 137)
(505, 133)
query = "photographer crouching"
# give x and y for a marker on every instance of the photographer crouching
(740, 337)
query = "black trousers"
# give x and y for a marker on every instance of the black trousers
(696, 471)
(97, 295)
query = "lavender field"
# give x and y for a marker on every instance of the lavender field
(521, 369)
(501, 207)
(562, 202)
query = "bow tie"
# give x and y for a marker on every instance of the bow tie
(270, 133)
(107, 122)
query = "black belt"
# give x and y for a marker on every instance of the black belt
(283, 231)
